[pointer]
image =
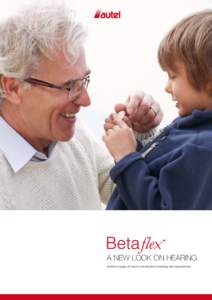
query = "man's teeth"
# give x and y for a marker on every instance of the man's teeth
(68, 116)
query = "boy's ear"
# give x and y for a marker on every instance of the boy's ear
(11, 88)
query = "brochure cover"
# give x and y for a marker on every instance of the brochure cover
(88, 250)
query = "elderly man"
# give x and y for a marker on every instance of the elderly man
(48, 159)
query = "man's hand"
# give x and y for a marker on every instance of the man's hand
(120, 140)
(142, 112)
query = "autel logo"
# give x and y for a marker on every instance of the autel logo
(107, 15)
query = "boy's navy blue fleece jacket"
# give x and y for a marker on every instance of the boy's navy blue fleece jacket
(174, 171)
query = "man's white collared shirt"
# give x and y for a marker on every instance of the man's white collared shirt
(16, 149)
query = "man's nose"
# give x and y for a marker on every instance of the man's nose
(84, 99)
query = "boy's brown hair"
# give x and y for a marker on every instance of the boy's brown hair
(190, 42)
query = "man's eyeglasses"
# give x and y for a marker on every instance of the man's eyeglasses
(74, 87)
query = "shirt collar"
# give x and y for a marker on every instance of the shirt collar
(16, 149)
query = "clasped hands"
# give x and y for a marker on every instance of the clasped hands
(140, 113)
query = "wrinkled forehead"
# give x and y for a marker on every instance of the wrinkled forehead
(58, 68)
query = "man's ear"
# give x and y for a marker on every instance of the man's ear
(11, 89)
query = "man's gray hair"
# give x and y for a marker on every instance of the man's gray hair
(36, 31)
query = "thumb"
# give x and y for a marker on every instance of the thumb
(120, 107)
(120, 123)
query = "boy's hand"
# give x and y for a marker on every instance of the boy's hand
(120, 114)
(120, 139)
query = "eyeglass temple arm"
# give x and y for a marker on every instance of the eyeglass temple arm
(41, 82)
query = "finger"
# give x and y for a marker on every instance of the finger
(148, 121)
(133, 101)
(109, 131)
(109, 118)
(127, 121)
(147, 102)
(143, 113)
(142, 110)
(151, 121)
(149, 117)
(133, 105)
(120, 123)
(109, 122)
(155, 107)
(155, 114)
(158, 118)
(114, 117)
(108, 125)
(120, 115)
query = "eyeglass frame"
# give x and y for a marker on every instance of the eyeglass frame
(84, 83)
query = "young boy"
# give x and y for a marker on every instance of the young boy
(174, 171)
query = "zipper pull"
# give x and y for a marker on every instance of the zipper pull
(147, 151)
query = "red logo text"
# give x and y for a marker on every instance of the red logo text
(107, 15)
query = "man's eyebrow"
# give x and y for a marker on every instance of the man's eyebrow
(88, 72)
